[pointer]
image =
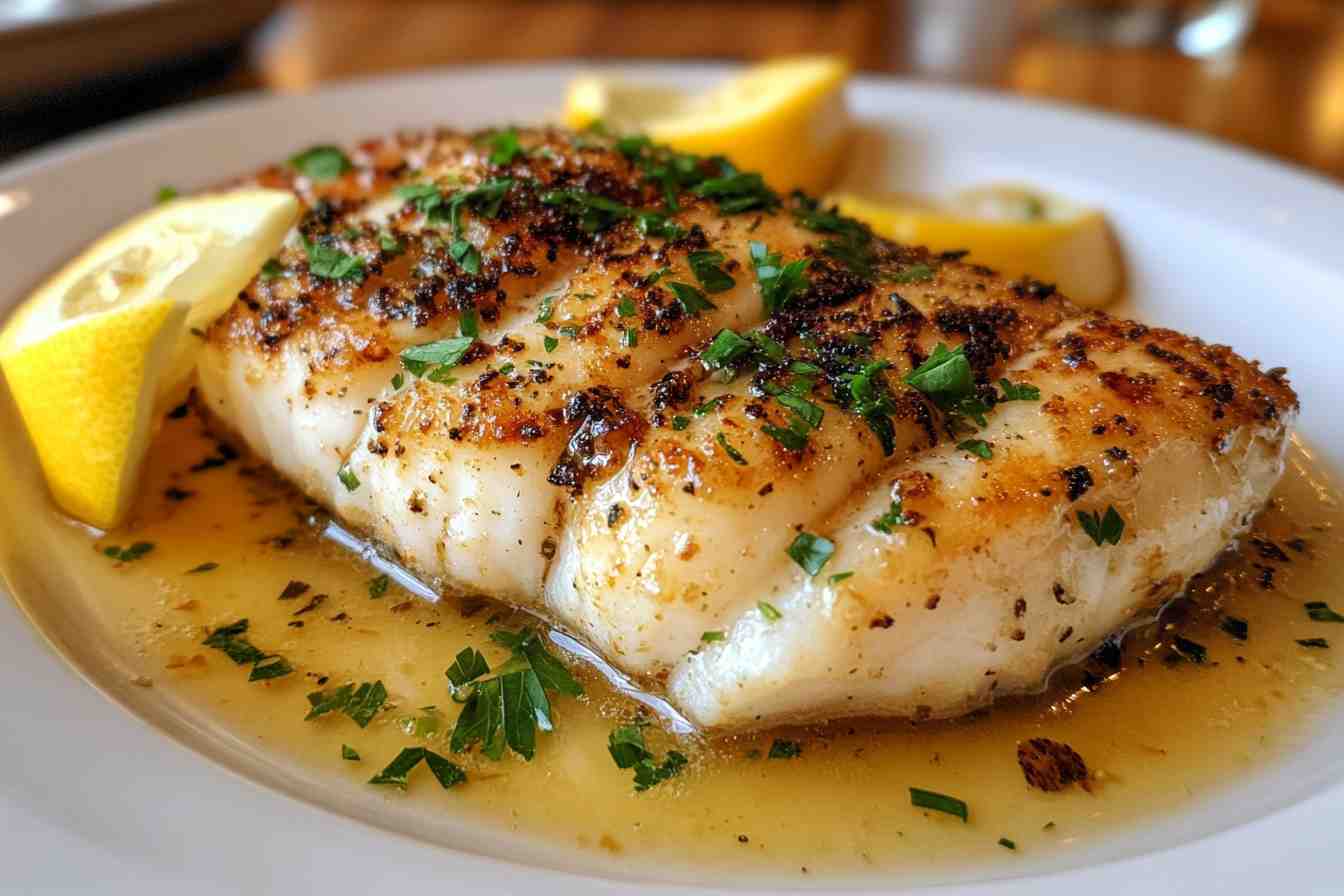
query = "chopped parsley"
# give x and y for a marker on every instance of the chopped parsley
(272, 270)
(870, 398)
(378, 586)
(729, 450)
(348, 478)
(208, 566)
(915, 273)
(1007, 844)
(626, 307)
(811, 552)
(504, 147)
(708, 269)
(680, 422)
(769, 611)
(792, 438)
(360, 703)
(549, 343)
(629, 337)
(505, 710)
(166, 194)
(738, 191)
(785, 749)
(979, 447)
(321, 163)
(398, 770)
(1104, 528)
(724, 350)
(839, 577)
(1319, 611)
(711, 637)
(469, 324)
(1193, 651)
(466, 255)
(939, 802)
(1235, 627)
(594, 212)
(389, 243)
(654, 224)
(332, 263)
(945, 376)
(1018, 391)
(126, 555)
(692, 300)
(895, 516)
(1314, 642)
(628, 750)
(440, 356)
(546, 308)
(229, 640)
(398, 380)
(779, 283)
(348, 753)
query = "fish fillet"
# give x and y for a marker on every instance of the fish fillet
(761, 460)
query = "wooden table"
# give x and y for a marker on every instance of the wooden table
(1282, 95)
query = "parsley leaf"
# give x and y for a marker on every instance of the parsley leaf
(724, 350)
(1319, 611)
(784, 749)
(1191, 650)
(779, 283)
(467, 256)
(945, 376)
(332, 263)
(594, 212)
(1314, 642)
(378, 586)
(793, 438)
(230, 641)
(348, 478)
(361, 703)
(712, 636)
(979, 447)
(208, 566)
(166, 194)
(348, 753)
(692, 300)
(1105, 529)
(321, 163)
(1236, 627)
(549, 343)
(708, 269)
(126, 555)
(504, 147)
(939, 802)
(733, 453)
(271, 270)
(738, 191)
(769, 611)
(811, 551)
(628, 750)
(398, 770)
(506, 709)
(654, 224)
(440, 355)
(1019, 391)
(893, 517)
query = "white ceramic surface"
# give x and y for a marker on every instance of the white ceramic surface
(1224, 244)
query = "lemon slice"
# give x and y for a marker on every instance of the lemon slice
(785, 118)
(105, 342)
(1016, 230)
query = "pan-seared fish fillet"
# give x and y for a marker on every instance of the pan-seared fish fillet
(752, 454)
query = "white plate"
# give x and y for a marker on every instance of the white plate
(1221, 243)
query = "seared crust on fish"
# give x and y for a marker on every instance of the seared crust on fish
(657, 393)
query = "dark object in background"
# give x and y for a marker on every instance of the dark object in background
(55, 45)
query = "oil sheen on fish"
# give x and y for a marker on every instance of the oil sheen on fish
(763, 461)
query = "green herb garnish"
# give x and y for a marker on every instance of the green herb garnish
(504, 147)
(708, 269)
(378, 586)
(1319, 611)
(397, 771)
(441, 355)
(321, 163)
(1314, 642)
(711, 637)
(939, 802)
(979, 447)
(348, 478)
(811, 551)
(271, 270)
(1191, 650)
(895, 516)
(738, 191)
(1103, 529)
(466, 255)
(779, 283)
(126, 555)
(506, 709)
(165, 194)
(915, 273)
(360, 703)
(549, 343)
(1018, 391)
(594, 212)
(628, 750)
(1237, 628)
(692, 300)
(332, 263)
(724, 350)
(769, 611)
(208, 566)
(785, 749)
(729, 450)
(229, 640)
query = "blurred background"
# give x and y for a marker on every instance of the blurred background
(1268, 75)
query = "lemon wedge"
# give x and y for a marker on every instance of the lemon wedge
(107, 341)
(785, 118)
(1016, 230)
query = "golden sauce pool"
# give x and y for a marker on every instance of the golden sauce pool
(1157, 728)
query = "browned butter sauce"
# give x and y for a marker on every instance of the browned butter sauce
(1157, 731)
